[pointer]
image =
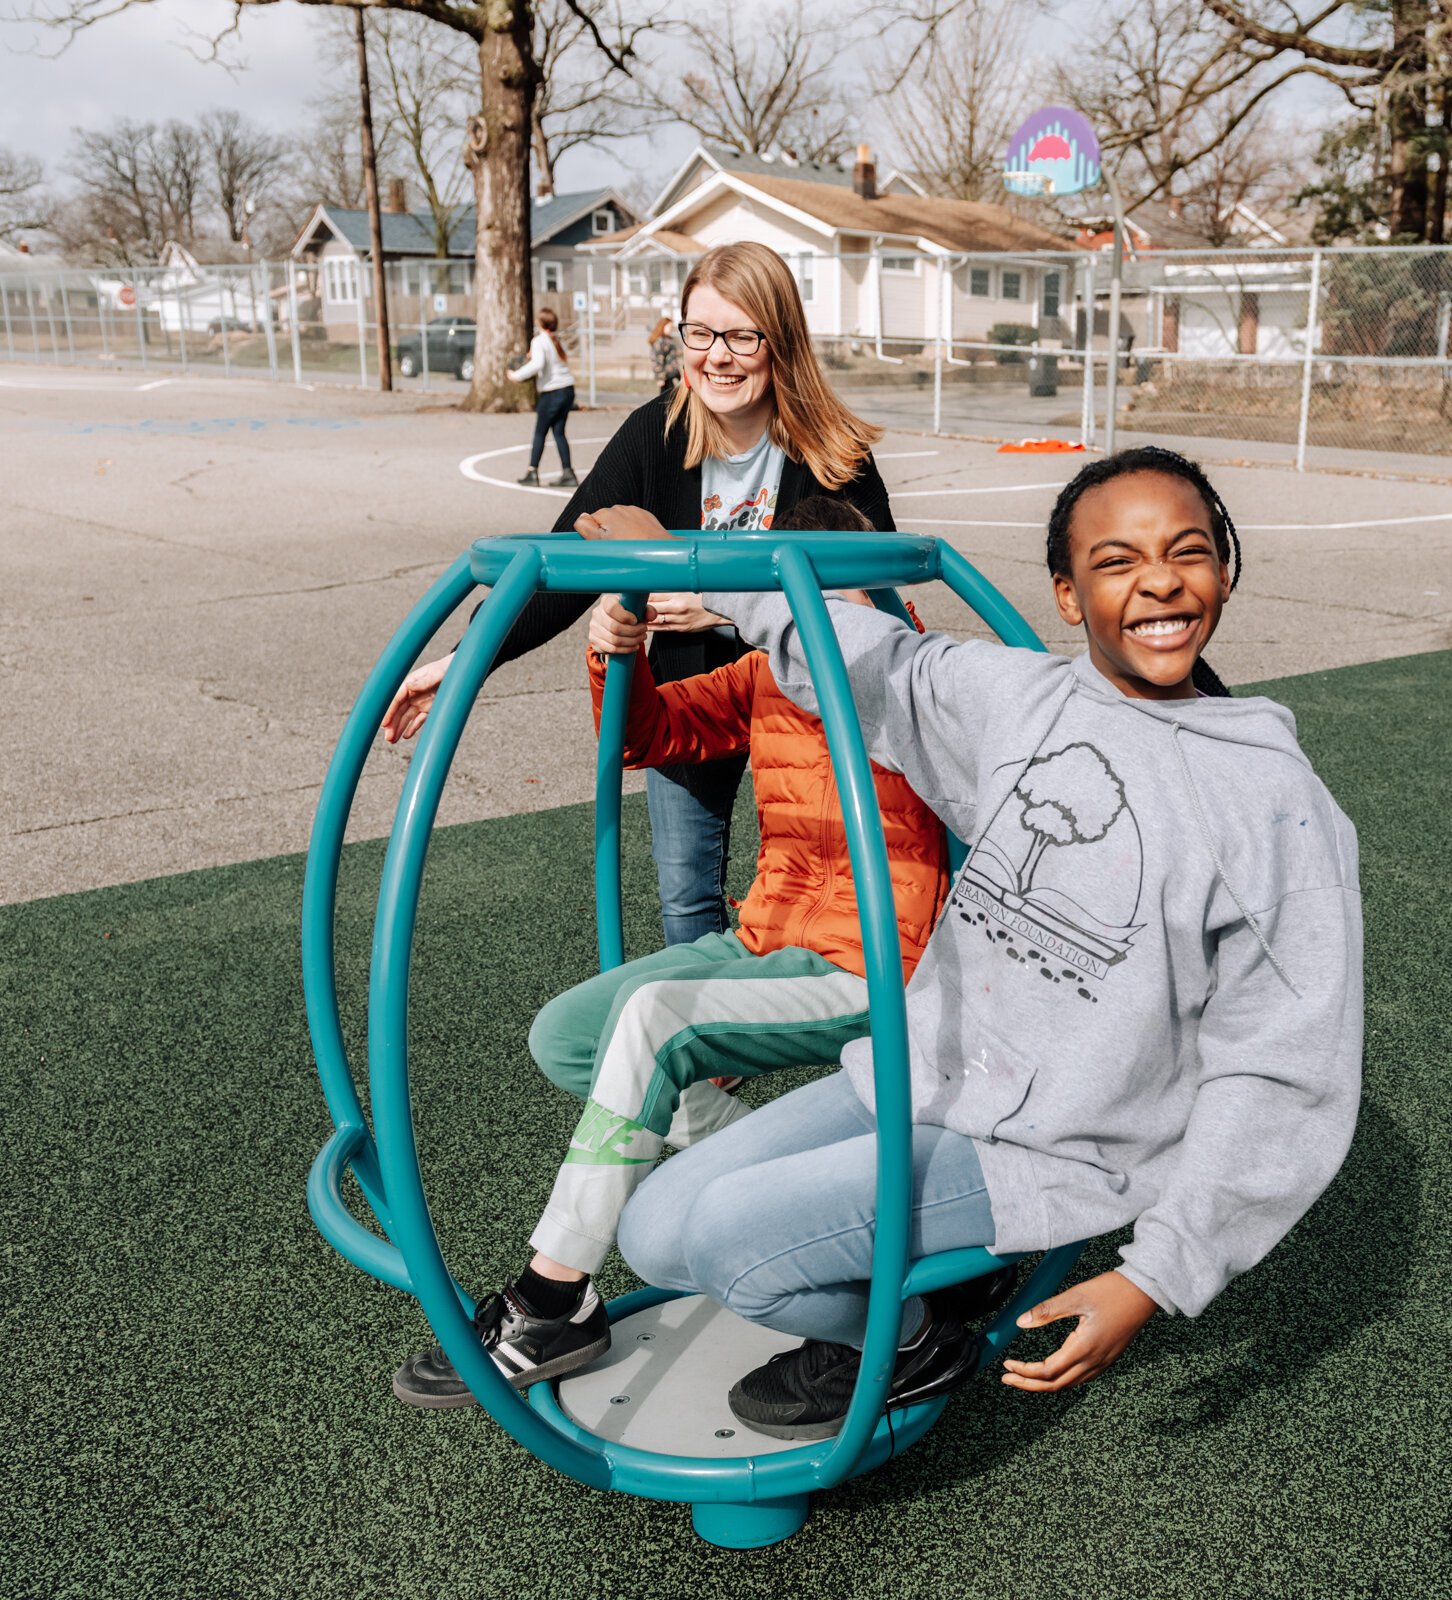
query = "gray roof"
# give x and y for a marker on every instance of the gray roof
(760, 167)
(411, 233)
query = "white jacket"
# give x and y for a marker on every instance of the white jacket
(544, 362)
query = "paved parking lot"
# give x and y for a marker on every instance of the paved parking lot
(198, 576)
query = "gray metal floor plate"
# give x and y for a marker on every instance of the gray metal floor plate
(663, 1385)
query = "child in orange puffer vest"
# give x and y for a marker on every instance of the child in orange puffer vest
(641, 1043)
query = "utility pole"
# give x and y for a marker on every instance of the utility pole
(375, 221)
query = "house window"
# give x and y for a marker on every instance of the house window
(602, 221)
(458, 277)
(1010, 285)
(899, 263)
(340, 279)
(805, 270)
(551, 276)
(654, 277)
(978, 282)
(1051, 294)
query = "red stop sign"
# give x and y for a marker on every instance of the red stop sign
(127, 296)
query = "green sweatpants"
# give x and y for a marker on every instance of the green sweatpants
(639, 1043)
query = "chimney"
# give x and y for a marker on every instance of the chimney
(864, 174)
(397, 195)
(1177, 205)
(23, 247)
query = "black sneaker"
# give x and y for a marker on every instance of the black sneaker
(526, 1349)
(979, 1298)
(804, 1393)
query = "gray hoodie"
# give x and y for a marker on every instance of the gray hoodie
(1143, 1000)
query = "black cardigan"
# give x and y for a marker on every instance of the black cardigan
(641, 466)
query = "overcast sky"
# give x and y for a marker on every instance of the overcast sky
(142, 64)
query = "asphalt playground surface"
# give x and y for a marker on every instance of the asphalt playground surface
(198, 576)
(196, 580)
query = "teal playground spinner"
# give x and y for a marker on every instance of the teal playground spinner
(738, 1501)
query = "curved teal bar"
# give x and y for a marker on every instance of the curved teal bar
(610, 765)
(320, 880)
(742, 1502)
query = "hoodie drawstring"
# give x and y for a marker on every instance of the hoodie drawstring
(1175, 730)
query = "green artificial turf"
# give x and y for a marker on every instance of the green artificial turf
(198, 1388)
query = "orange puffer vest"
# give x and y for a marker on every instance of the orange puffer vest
(803, 892)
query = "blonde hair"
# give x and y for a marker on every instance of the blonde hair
(810, 423)
(549, 322)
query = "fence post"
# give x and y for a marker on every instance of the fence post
(1086, 404)
(30, 312)
(362, 332)
(590, 321)
(938, 357)
(425, 279)
(181, 324)
(101, 318)
(50, 324)
(66, 313)
(265, 268)
(292, 323)
(1303, 426)
(5, 304)
(140, 322)
(223, 320)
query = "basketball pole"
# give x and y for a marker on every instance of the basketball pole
(1116, 277)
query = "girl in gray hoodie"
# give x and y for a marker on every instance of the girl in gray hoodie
(1141, 1005)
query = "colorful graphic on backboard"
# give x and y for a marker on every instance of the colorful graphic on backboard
(1054, 151)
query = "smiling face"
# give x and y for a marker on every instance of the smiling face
(736, 389)
(1145, 581)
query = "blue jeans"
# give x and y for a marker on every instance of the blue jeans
(773, 1217)
(690, 836)
(550, 412)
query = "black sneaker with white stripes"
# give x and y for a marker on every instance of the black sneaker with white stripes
(527, 1349)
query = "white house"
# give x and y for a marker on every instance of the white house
(877, 263)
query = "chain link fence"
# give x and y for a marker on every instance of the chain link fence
(1299, 355)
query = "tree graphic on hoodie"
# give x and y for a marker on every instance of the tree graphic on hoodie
(1070, 797)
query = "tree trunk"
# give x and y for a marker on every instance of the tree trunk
(1406, 119)
(497, 152)
(544, 168)
(375, 221)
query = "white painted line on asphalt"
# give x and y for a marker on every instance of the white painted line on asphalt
(1009, 488)
(159, 383)
(904, 455)
(1375, 522)
(468, 466)
(1243, 527)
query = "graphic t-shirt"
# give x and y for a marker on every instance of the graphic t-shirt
(739, 492)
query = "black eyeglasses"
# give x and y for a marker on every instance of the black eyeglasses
(739, 341)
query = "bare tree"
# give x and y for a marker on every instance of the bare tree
(954, 115)
(247, 166)
(1392, 59)
(117, 210)
(496, 152)
(23, 204)
(1177, 104)
(760, 80)
(574, 104)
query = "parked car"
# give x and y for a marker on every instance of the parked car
(230, 325)
(450, 349)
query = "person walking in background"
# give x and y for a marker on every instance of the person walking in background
(555, 386)
(665, 355)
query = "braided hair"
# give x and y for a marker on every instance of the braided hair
(1148, 458)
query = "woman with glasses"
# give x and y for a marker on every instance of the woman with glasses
(751, 429)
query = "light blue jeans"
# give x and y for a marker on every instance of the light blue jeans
(690, 835)
(773, 1217)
